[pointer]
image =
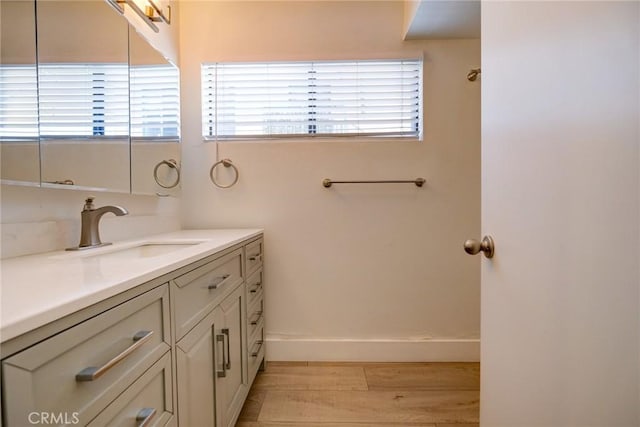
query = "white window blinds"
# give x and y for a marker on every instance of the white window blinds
(84, 99)
(18, 102)
(351, 98)
(155, 102)
(89, 100)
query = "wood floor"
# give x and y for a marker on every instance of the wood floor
(314, 394)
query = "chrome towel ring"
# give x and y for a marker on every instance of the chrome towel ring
(172, 164)
(226, 163)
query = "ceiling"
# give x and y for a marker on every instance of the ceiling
(442, 19)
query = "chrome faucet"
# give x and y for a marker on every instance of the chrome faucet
(90, 233)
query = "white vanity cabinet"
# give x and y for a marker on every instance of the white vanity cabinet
(74, 375)
(181, 349)
(211, 358)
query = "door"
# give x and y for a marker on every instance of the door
(233, 385)
(560, 134)
(199, 364)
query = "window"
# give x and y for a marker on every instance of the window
(84, 99)
(18, 102)
(89, 100)
(155, 102)
(339, 98)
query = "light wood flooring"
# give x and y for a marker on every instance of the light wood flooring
(314, 394)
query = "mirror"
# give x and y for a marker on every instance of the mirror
(155, 120)
(19, 150)
(94, 106)
(83, 93)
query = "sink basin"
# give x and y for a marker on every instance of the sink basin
(145, 250)
(141, 250)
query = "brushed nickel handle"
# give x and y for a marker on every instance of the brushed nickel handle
(419, 182)
(223, 372)
(256, 257)
(487, 246)
(255, 322)
(144, 416)
(227, 366)
(255, 289)
(217, 281)
(61, 182)
(92, 373)
(255, 353)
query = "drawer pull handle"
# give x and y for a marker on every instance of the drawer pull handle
(256, 287)
(144, 416)
(255, 353)
(255, 322)
(223, 372)
(92, 373)
(256, 257)
(227, 365)
(217, 281)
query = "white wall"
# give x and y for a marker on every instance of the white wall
(560, 144)
(17, 32)
(369, 272)
(20, 161)
(410, 9)
(90, 164)
(70, 32)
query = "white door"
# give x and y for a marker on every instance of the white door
(560, 191)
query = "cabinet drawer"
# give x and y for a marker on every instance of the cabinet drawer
(254, 252)
(255, 316)
(199, 291)
(149, 398)
(83, 369)
(256, 352)
(254, 287)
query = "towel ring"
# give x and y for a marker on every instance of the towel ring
(226, 163)
(172, 164)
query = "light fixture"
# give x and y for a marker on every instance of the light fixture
(152, 9)
(148, 15)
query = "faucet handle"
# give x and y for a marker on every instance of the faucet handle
(88, 203)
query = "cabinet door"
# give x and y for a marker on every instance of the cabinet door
(198, 364)
(233, 386)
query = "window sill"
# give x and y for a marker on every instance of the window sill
(319, 139)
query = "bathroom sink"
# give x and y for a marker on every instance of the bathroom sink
(140, 250)
(145, 250)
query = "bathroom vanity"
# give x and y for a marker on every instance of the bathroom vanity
(165, 331)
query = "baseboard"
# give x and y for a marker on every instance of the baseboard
(372, 350)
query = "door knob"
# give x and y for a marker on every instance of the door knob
(472, 246)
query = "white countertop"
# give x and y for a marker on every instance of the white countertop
(38, 289)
